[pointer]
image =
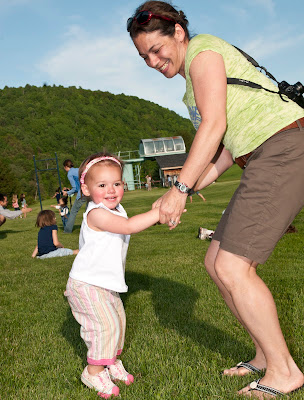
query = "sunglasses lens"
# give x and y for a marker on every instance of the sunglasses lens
(129, 24)
(143, 17)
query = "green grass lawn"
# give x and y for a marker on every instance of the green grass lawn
(180, 335)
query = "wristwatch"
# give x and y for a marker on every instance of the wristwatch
(182, 187)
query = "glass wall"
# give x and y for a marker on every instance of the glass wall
(161, 146)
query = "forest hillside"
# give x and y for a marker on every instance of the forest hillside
(73, 122)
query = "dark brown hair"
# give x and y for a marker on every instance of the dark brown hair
(68, 163)
(166, 28)
(45, 218)
(64, 199)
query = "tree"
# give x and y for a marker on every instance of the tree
(8, 181)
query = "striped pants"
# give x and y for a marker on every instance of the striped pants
(102, 317)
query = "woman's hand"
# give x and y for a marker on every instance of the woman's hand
(172, 205)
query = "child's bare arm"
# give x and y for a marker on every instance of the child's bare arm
(55, 239)
(35, 252)
(100, 219)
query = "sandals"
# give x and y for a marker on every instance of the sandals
(248, 366)
(255, 385)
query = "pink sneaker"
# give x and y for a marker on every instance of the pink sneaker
(100, 382)
(118, 373)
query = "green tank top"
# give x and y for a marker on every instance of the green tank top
(252, 115)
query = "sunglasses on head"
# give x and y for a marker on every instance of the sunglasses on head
(144, 17)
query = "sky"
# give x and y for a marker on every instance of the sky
(84, 43)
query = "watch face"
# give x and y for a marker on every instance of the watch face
(182, 187)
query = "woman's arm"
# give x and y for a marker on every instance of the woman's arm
(208, 75)
(55, 239)
(35, 252)
(219, 164)
(103, 220)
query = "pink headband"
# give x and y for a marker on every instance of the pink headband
(94, 161)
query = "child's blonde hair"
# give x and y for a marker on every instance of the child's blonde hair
(105, 158)
(15, 197)
(45, 218)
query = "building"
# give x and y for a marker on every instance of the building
(169, 152)
(170, 166)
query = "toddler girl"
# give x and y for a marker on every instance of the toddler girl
(98, 273)
(48, 244)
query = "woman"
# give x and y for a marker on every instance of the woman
(232, 122)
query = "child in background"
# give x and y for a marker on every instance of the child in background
(23, 203)
(98, 272)
(63, 208)
(57, 194)
(15, 202)
(48, 244)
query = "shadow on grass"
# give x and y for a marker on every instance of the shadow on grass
(3, 234)
(174, 305)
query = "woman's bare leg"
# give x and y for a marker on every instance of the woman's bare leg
(256, 309)
(259, 360)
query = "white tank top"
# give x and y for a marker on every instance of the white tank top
(102, 255)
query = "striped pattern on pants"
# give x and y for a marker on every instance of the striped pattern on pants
(102, 317)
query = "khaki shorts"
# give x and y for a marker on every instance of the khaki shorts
(270, 195)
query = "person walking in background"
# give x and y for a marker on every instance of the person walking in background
(8, 214)
(98, 272)
(74, 181)
(48, 245)
(149, 182)
(259, 129)
(169, 179)
(192, 192)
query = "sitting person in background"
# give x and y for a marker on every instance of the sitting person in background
(4, 213)
(48, 245)
(63, 208)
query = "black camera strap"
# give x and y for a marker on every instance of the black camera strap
(244, 82)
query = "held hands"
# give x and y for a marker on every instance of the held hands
(172, 205)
